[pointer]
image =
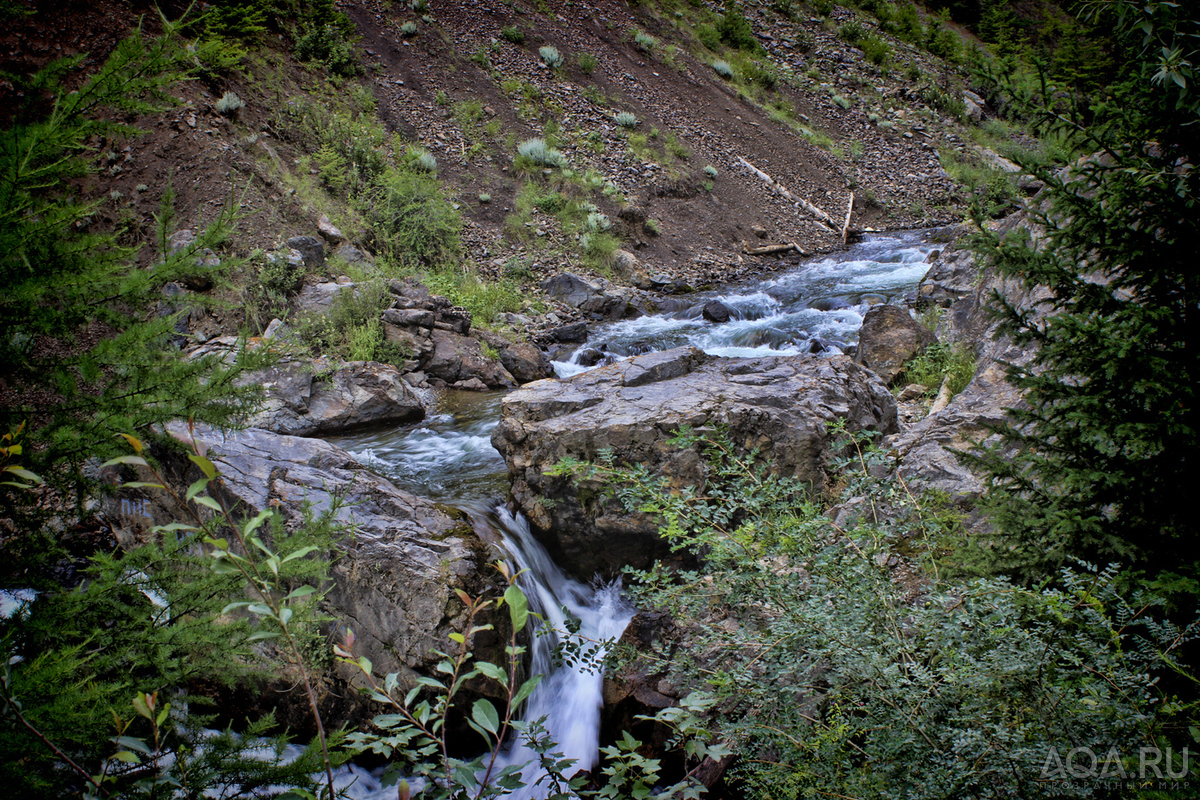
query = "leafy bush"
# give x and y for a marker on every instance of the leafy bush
(408, 29)
(852, 32)
(536, 153)
(723, 69)
(938, 362)
(709, 36)
(327, 35)
(512, 34)
(876, 50)
(587, 63)
(626, 119)
(710, 171)
(551, 56)
(831, 678)
(412, 219)
(422, 160)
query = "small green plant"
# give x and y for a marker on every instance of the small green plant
(441, 98)
(536, 153)
(408, 29)
(645, 42)
(652, 226)
(418, 6)
(710, 171)
(626, 119)
(876, 50)
(485, 198)
(229, 105)
(513, 34)
(723, 69)
(841, 101)
(550, 55)
(422, 160)
(939, 362)
(734, 29)
(587, 63)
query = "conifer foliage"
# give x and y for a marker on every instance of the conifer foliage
(1109, 436)
(83, 354)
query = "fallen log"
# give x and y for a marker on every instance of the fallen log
(782, 191)
(846, 224)
(771, 249)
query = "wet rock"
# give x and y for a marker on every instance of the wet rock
(575, 332)
(778, 405)
(889, 337)
(460, 358)
(716, 311)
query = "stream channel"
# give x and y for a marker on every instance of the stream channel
(816, 305)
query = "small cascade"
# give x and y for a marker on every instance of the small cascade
(816, 307)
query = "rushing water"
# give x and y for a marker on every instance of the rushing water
(817, 306)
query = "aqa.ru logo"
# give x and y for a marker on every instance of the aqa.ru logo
(1082, 762)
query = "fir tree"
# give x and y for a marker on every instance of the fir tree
(1108, 436)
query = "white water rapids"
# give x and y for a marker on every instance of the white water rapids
(817, 306)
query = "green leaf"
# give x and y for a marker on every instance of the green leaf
(492, 671)
(142, 707)
(234, 607)
(526, 689)
(206, 466)
(142, 485)
(196, 488)
(258, 520)
(132, 743)
(485, 714)
(136, 461)
(301, 553)
(258, 636)
(300, 591)
(128, 757)
(208, 502)
(518, 607)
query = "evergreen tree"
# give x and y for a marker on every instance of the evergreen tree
(1108, 436)
(86, 345)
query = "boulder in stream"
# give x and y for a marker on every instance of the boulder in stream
(776, 405)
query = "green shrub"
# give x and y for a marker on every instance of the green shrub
(645, 42)
(587, 63)
(550, 55)
(229, 105)
(512, 34)
(422, 160)
(408, 29)
(626, 119)
(710, 171)
(709, 36)
(876, 50)
(723, 69)
(852, 32)
(939, 362)
(412, 219)
(536, 153)
(735, 31)
(327, 35)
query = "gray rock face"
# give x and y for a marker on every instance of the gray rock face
(778, 405)
(888, 338)
(598, 299)
(311, 249)
(356, 395)
(458, 358)
(525, 362)
(395, 579)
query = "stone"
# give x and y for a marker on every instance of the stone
(275, 329)
(359, 394)
(525, 362)
(889, 337)
(350, 254)
(394, 580)
(911, 392)
(575, 332)
(329, 231)
(319, 297)
(778, 405)
(311, 249)
(410, 317)
(716, 311)
(181, 239)
(459, 358)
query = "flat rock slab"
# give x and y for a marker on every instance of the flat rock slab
(777, 405)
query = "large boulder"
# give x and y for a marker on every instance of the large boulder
(300, 402)
(889, 337)
(459, 359)
(394, 579)
(777, 405)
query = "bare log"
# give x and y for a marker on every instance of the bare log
(780, 190)
(846, 224)
(772, 249)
